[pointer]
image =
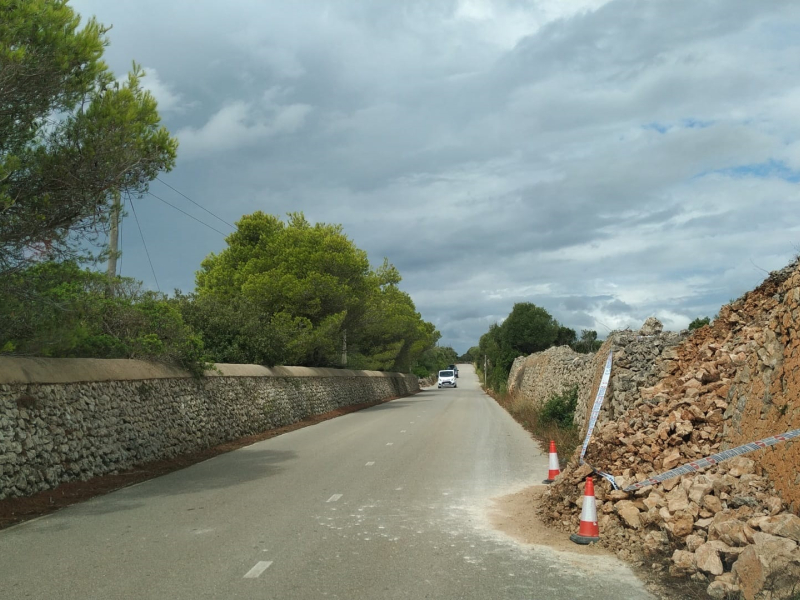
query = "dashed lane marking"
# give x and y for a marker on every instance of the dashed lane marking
(260, 567)
(370, 463)
(334, 498)
(390, 443)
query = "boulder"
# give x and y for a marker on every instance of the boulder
(733, 532)
(785, 525)
(651, 326)
(708, 560)
(767, 567)
(683, 563)
(723, 587)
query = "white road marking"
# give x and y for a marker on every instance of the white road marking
(370, 463)
(334, 498)
(390, 443)
(260, 567)
(402, 431)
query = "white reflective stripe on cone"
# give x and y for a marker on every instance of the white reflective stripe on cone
(589, 510)
(554, 462)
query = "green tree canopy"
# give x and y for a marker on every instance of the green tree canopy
(70, 134)
(300, 289)
(529, 328)
(698, 323)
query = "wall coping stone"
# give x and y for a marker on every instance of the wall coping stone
(25, 370)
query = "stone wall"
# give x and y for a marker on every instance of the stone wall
(733, 525)
(538, 376)
(637, 364)
(66, 419)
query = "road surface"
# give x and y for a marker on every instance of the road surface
(385, 503)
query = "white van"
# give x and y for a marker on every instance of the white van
(447, 378)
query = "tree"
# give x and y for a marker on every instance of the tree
(299, 288)
(588, 342)
(565, 336)
(529, 328)
(70, 135)
(698, 323)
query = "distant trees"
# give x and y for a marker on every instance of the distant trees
(698, 323)
(70, 134)
(527, 329)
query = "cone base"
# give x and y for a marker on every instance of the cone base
(548, 481)
(583, 540)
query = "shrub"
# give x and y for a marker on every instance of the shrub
(560, 408)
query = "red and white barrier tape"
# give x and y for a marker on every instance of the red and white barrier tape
(712, 460)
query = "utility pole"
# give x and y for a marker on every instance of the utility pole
(484, 370)
(113, 240)
(344, 348)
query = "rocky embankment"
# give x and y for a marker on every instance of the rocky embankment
(734, 526)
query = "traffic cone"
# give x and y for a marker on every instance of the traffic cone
(589, 532)
(555, 470)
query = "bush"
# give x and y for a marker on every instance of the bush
(698, 323)
(62, 311)
(560, 408)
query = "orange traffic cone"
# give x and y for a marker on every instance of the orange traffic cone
(555, 470)
(589, 532)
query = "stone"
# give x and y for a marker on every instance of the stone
(760, 539)
(651, 326)
(741, 465)
(774, 505)
(723, 587)
(733, 532)
(712, 503)
(708, 560)
(693, 542)
(785, 525)
(683, 563)
(677, 500)
(629, 513)
(767, 567)
(682, 525)
(701, 487)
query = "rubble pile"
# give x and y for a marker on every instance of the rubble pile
(733, 525)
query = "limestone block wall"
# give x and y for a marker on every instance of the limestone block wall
(66, 419)
(538, 376)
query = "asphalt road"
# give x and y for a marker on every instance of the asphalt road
(389, 502)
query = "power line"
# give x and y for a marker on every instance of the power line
(195, 203)
(143, 242)
(187, 214)
(119, 227)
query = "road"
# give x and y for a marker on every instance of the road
(385, 503)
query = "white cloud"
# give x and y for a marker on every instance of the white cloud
(168, 99)
(240, 124)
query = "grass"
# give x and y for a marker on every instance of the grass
(536, 419)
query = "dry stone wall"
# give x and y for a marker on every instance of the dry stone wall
(66, 419)
(637, 364)
(538, 376)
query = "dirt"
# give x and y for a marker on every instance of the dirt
(17, 510)
(516, 516)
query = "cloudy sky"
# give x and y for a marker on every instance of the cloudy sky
(605, 159)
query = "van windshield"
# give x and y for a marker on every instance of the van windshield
(445, 373)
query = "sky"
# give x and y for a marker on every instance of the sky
(608, 160)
